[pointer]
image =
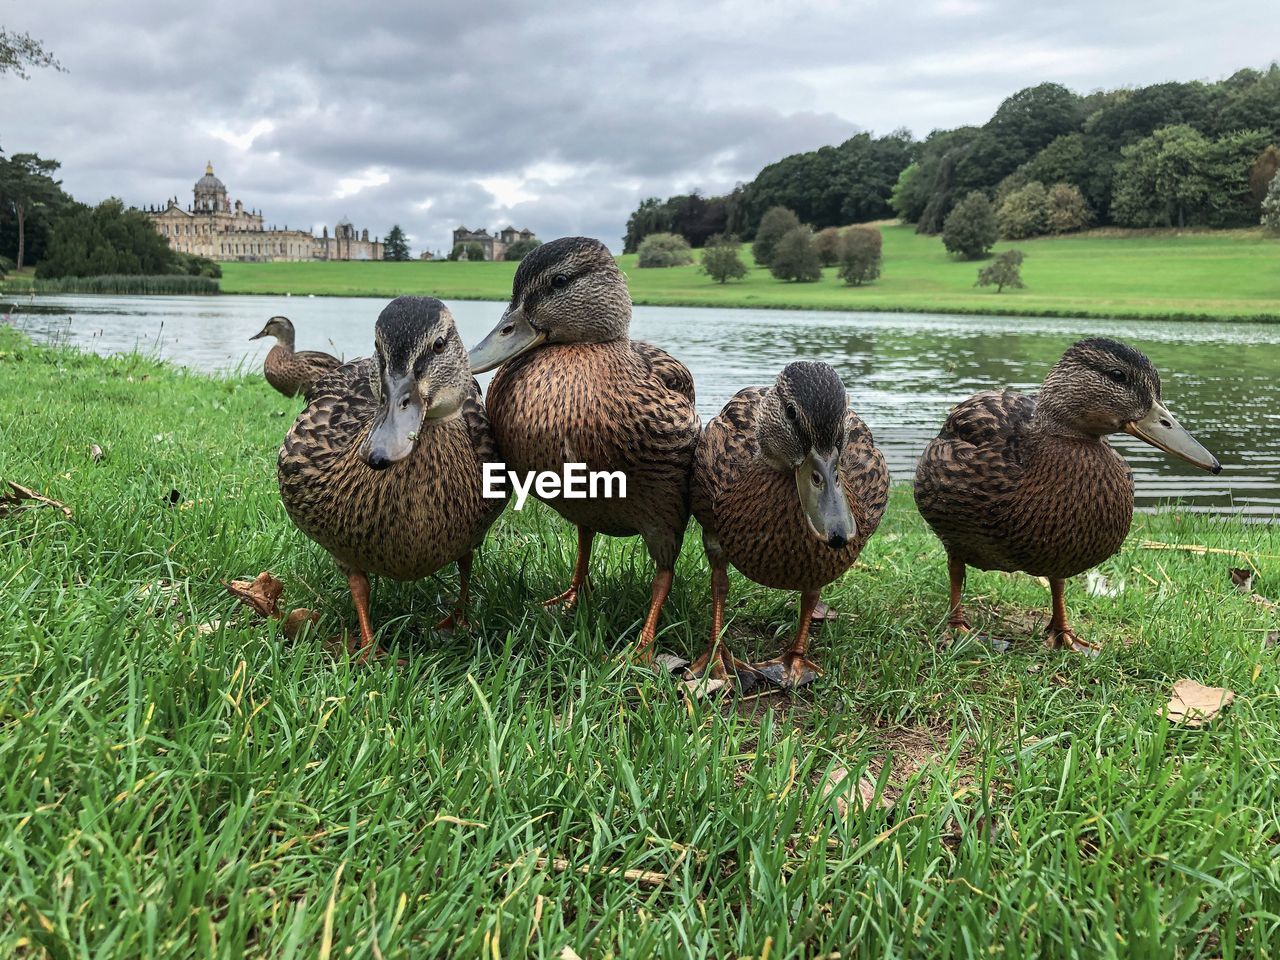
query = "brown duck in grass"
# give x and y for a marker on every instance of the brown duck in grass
(788, 486)
(292, 372)
(1030, 483)
(384, 467)
(573, 387)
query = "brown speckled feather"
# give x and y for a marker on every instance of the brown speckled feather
(405, 522)
(750, 511)
(294, 372)
(1003, 493)
(621, 405)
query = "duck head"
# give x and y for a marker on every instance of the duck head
(801, 430)
(567, 291)
(279, 327)
(1102, 386)
(420, 374)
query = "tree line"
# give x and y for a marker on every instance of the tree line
(1176, 154)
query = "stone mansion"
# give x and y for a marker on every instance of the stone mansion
(494, 245)
(213, 227)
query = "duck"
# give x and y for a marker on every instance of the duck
(292, 372)
(384, 467)
(788, 487)
(571, 386)
(1029, 483)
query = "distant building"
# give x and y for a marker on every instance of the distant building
(213, 227)
(494, 245)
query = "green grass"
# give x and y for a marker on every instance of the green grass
(1193, 275)
(177, 790)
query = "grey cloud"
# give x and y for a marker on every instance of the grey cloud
(625, 101)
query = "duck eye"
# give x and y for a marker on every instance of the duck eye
(791, 411)
(438, 346)
(1117, 375)
(559, 281)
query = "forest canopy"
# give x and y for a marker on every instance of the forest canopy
(1176, 154)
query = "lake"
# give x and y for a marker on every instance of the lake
(903, 371)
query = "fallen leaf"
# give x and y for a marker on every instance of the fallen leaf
(262, 594)
(1242, 577)
(852, 798)
(204, 629)
(669, 662)
(95, 453)
(568, 953)
(1271, 639)
(1194, 705)
(24, 496)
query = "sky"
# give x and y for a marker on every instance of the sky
(556, 116)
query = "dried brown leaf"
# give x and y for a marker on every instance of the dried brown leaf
(95, 452)
(261, 594)
(852, 798)
(1194, 705)
(20, 496)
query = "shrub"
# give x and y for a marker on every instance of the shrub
(860, 255)
(1271, 207)
(776, 222)
(1023, 212)
(664, 250)
(1004, 271)
(197, 266)
(828, 243)
(721, 260)
(795, 257)
(521, 249)
(1065, 209)
(970, 228)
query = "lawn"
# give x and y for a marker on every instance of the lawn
(1222, 274)
(182, 781)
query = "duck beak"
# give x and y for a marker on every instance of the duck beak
(259, 336)
(1162, 430)
(513, 336)
(395, 429)
(823, 501)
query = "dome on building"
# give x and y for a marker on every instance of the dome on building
(209, 182)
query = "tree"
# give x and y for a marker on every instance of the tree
(721, 260)
(1263, 171)
(1163, 180)
(652, 216)
(1024, 212)
(474, 251)
(970, 228)
(827, 241)
(664, 250)
(18, 51)
(521, 249)
(1065, 209)
(776, 222)
(795, 257)
(859, 260)
(1271, 207)
(395, 247)
(26, 183)
(1004, 271)
(910, 194)
(106, 239)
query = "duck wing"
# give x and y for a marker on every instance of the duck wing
(977, 458)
